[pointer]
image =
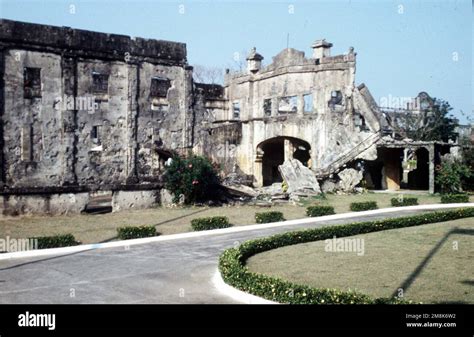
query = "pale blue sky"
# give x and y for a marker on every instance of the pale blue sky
(422, 46)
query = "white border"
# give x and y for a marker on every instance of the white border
(235, 229)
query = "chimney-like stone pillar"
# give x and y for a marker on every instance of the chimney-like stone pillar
(254, 61)
(321, 49)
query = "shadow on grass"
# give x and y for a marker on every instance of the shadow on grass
(162, 223)
(409, 281)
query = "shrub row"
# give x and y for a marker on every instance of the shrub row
(404, 202)
(202, 224)
(319, 210)
(453, 198)
(135, 232)
(266, 217)
(234, 272)
(363, 206)
(55, 241)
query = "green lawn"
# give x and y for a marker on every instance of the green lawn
(392, 259)
(97, 228)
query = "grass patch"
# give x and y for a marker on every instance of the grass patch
(234, 272)
(390, 258)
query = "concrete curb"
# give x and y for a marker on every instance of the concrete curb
(126, 243)
(235, 293)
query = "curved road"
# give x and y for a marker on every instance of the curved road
(175, 271)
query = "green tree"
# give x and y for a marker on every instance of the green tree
(433, 123)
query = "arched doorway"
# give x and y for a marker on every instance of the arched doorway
(272, 152)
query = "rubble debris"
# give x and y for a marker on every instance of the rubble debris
(238, 190)
(299, 178)
(349, 178)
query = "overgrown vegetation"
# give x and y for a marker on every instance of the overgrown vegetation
(363, 206)
(266, 217)
(135, 232)
(450, 176)
(195, 178)
(234, 272)
(201, 224)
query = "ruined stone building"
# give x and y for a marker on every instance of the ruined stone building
(85, 113)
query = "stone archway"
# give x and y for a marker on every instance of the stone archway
(272, 152)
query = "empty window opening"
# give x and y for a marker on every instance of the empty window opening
(96, 134)
(100, 83)
(32, 82)
(267, 107)
(359, 122)
(336, 98)
(288, 105)
(159, 87)
(236, 110)
(308, 103)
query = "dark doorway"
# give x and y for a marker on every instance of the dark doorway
(419, 178)
(274, 156)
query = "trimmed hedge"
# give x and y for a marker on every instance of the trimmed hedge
(234, 272)
(202, 224)
(55, 241)
(404, 202)
(135, 232)
(363, 206)
(319, 210)
(266, 217)
(453, 198)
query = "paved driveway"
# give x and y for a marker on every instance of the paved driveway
(175, 271)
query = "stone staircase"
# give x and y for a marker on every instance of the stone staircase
(346, 157)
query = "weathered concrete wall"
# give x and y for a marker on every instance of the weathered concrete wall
(80, 131)
(123, 200)
(32, 132)
(53, 204)
(103, 162)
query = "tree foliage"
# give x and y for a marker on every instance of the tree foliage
(431, 124)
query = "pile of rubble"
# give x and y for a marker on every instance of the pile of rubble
(298, 182)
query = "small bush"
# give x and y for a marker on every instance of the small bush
(194, 177)
(450, 175)
(454, 198)
(404, 202)
(319, 210)
(363, 206)
(202, 224)
(234, 271)
(55, 241)
(135, 232)
(266, 217)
